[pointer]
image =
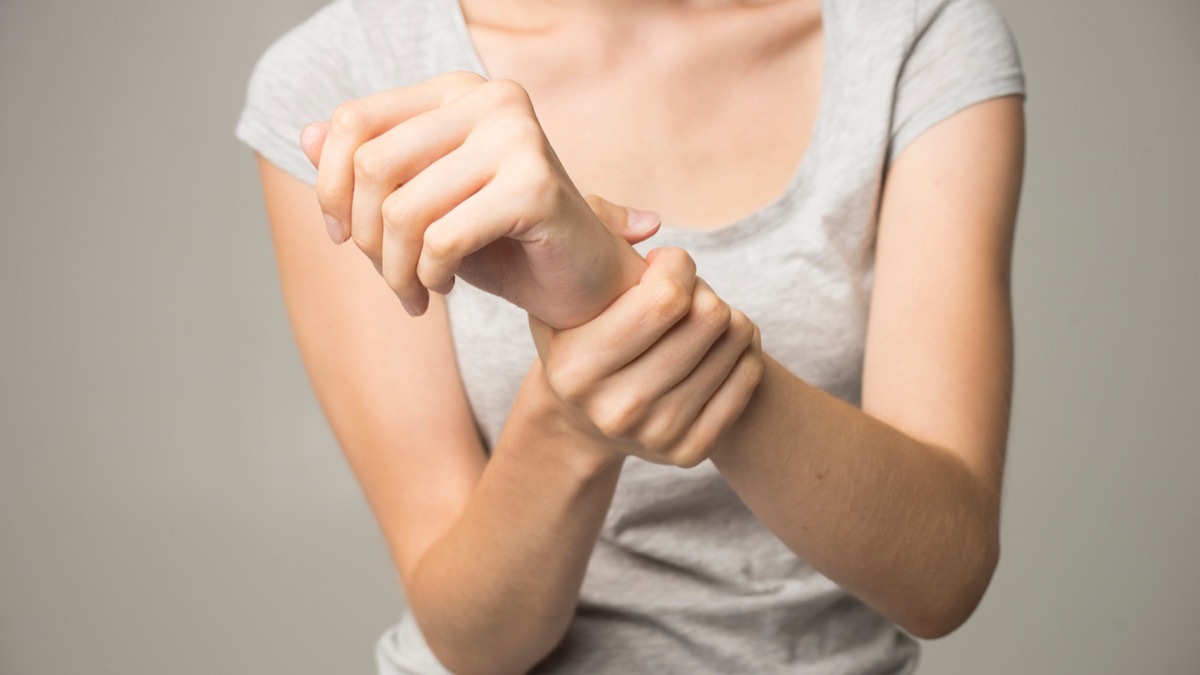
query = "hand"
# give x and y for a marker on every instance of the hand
(662, 372)
(455, 176)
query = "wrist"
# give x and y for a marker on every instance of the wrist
(548, 424)
(628, 266)
(611, 267)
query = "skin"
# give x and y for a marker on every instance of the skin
(897, 501)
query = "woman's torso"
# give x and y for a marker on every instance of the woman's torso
(777, 201)
(684, 578)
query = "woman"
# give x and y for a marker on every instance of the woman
(774, 444)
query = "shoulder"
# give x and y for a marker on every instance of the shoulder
(980, 14)
(348, 49)
(921, 25)
(300, 78)
(912, 26)
(972, 29)
(325, 48)
(959, 52)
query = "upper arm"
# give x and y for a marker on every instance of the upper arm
(938, 361)
(387, 382)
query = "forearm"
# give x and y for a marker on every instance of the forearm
(900, 524)
(498, 590)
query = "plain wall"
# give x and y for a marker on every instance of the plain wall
(171, 500)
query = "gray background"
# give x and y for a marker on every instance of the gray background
(171, 500)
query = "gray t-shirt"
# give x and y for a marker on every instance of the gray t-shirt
(684, 578)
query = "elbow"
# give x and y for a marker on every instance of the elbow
(472, 661)
(469, 637)
(456, 663)
(466, 661)
(950, 605)
(511, 647)
(938, 623)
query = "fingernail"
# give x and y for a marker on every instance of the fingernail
(336, 232)
(308, 131)
(378, 267)
(639, 221)
(408, 308)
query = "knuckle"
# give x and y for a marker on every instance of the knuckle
(711, 310)
(327, 194)
(400, 283)
(364, 243)
(741, 328)
(437, 244)
(464, 78)
(452, 85)
(757, 371)
(616, 417)
(350, 118)
(671, 301)
(658, 434)
(395, 213)
(369, 165)
(680, 262)
(508, 92)
(688, 455)
(516, 129)
(566, 377)
(749, 371)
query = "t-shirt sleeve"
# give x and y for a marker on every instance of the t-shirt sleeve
(300, 79)
(964, 53)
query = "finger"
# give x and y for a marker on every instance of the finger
(654, 253)
(357, 121)
(634, 225)
(634, 321)
(312, 137)
(640, 400)
(674, 357)
(401, 245)
(721, 411)
(676, 409)
(482, 218)
(408, 212)
(392, 159)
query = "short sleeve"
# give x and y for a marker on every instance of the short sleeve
(964, 53)
(300, 79)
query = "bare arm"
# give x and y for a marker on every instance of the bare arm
(897, 502)
(491, 553)
(389, 385)
(497, 590)
(900, 502)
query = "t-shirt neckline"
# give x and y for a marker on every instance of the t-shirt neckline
(766, 217)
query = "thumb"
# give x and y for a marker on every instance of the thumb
(634, 225)
(312, 139)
